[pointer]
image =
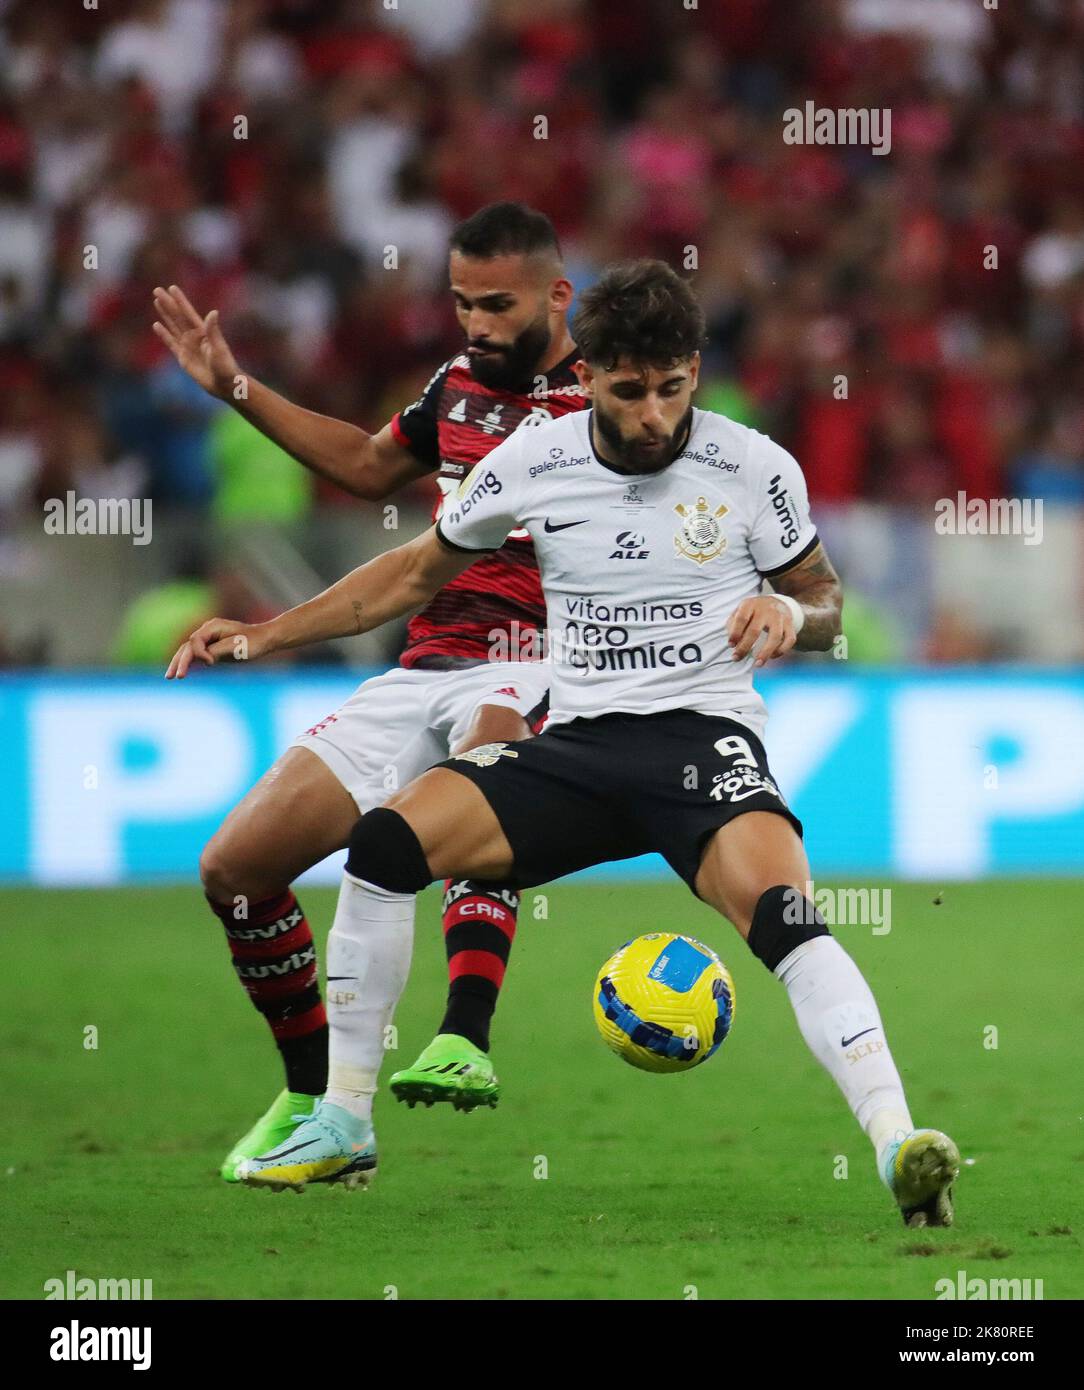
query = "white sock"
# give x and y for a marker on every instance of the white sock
(368, 961)
(838, 1016)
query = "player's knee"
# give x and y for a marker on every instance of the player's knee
(783, 919)
(385, 851)
(216, 871)
(227, 873)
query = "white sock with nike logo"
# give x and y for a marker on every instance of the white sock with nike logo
(368, 961)
(838, 1016)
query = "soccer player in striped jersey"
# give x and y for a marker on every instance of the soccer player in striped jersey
(447, 695)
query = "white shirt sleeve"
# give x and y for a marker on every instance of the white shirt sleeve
(783, 531)
(485, 507)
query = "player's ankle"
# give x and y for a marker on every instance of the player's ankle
(359, 1104)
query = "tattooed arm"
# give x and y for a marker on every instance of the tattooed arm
(813, 584)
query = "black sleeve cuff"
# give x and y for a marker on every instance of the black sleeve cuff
(462, 549)
(423, 450)
(803, 554)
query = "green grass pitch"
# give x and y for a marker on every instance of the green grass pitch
(718, 1184)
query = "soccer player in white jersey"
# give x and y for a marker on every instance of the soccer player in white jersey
(655, 525)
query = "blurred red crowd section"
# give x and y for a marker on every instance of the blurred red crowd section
(908, 324)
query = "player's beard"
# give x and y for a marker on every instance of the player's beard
(630, 456)
(513, 366)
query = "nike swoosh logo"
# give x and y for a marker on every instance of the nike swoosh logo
(341, 977)
(846, 1042)
(564, 525)
(306, 1145)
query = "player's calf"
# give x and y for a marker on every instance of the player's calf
(839, 1019)
(479, 927)
(480, 924)
(274, 956)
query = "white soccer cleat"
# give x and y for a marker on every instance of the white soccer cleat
(919, 1172)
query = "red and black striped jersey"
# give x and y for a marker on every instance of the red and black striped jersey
(454, 423)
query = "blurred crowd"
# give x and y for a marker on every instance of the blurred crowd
(907, 325)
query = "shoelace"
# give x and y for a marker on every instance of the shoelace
(317, 1119)
(330, 1129)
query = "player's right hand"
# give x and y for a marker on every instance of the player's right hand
(220, 639)
(198, 344)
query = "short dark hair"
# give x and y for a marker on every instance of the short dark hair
(641, 310)
(505, 229)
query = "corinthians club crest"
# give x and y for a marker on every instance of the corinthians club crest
(486, 754)
(700, 537)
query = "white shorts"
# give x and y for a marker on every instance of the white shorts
(397, 725)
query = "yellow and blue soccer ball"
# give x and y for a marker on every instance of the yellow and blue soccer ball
(664, 1002)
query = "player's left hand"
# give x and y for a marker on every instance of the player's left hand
(756, 616)
(218, 638)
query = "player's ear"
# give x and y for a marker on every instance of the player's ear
(561, 295)
(585, 375)
(694, 371)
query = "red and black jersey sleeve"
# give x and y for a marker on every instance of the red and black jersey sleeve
(455, 423)
(415, 427)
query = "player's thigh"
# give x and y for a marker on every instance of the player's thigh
(380, 739)
(492, 703)
(456, 827)
(296, 815)
(744, 858)
(490, 724)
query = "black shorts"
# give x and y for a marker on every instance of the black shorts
(621, 785)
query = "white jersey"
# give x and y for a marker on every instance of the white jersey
(641, 572)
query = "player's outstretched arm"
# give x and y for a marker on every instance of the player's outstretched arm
(395, 583)
(814, 585)
(370, 466)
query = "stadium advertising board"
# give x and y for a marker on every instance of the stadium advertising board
(121, 779)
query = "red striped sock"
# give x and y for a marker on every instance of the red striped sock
(479, 926)
(275, 959)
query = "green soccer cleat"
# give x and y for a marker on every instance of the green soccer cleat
(330, 1146)
(287, 1111)
(919, 1172)
(450, 1069)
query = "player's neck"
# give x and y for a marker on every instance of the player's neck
(560, 347)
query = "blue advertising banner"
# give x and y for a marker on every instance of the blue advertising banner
(115, 778)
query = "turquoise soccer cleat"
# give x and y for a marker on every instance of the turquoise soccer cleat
(329, 1146)
(919, 1172)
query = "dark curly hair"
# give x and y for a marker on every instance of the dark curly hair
(640, 310)
(505, 229)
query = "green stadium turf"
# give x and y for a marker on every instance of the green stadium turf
(718, 1184)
